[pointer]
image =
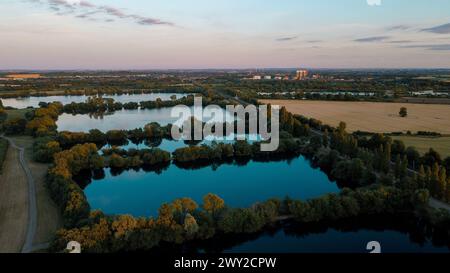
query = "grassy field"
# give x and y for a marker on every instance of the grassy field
(373, 117)
(12, 114)
(423, 144)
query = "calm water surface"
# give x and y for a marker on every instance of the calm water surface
(34, 101)
(125, 120)
(396, 234)
(141, 193)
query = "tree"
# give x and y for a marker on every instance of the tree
(213, 203)
(190, 225)
(349, 171)
(434, 180)
(442, 187)
(403, 112)
(448, 190)
(185, 206)
(401, 167)
(431, 158)
(413, 156)
(3, 115)
(446, 164)
(97, 162)
(422, 178)
(123, 225)
(15, 126)
(116, 161)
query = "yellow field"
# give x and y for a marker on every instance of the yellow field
(373, 117)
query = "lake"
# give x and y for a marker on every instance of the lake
(396, 234)
(141, 193)
(21, 103)
(124, 119)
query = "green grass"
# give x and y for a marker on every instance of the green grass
(20, 113)
(423, 144)
(3, 150)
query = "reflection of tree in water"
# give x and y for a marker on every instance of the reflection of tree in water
(418, 231)
(153, 143)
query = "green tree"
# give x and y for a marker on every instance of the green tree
(422, 178)
(442, 187)
(403, 112)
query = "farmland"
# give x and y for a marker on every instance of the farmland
(423, 144)
(373, 117)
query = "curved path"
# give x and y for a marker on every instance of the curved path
(32, 208)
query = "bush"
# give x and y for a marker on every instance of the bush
(4, 144)
(15, 126)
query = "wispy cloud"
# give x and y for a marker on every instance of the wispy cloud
(286, 39)
(401, 42)
(442, 29)
(398, 27)
(438, 47)
(372, 39)
(90, 11)
(314, 41)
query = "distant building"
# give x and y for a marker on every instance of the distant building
(267, 77)
(23, 76)
(278, 78)
(429, 93)
(257, 78)
(423, 93)
(301, 74)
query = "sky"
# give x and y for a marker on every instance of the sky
(200, 34)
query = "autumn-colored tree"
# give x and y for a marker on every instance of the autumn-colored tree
(213, 203)
(442, 185)
(190, 225)
(184, 206)
(122, 225)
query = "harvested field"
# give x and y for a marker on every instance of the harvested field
(373, 117)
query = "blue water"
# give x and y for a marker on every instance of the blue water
(166, 145)
(21, 103)
(141, 193)
(172, 145)
(129, 119)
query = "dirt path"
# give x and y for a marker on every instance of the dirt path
(14, 212)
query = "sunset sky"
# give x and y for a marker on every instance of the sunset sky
(161, 34)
